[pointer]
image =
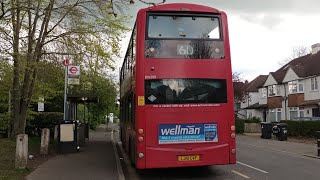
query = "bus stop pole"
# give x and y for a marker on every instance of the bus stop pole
(65, 93)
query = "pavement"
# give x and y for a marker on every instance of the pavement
(304, 149)
(96, 160)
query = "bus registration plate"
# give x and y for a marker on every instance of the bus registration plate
(189, 158)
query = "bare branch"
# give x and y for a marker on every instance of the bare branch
(2, 10)
(297, 51)
(63, 17)
(149, 3)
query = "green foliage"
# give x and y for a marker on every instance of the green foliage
(254, 119)
(43, 120)
(239, 125)
(303, 128)
(104, 89)
(4, 121)
(50, 82)
(84, 30)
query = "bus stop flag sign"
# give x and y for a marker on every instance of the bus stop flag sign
(73, 70)
(73, 75)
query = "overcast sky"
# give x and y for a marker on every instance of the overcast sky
(262, 33)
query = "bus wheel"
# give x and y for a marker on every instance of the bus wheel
(131, 153)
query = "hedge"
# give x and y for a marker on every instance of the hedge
(4, 121)
(43, 120)
(239, 126)
(254, 119)
(302, 128)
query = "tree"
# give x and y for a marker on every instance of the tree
(32, 31)
(297, 51)
(238, 87)
(149, 2)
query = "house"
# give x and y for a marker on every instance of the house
(290, 93)
(253, 105)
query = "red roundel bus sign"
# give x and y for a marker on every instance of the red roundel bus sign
(74, 70)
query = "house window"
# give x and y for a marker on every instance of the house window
(264, 93)
(295, 87)
(296, 112)
(273, 90)
(314, 84)
(275, 115)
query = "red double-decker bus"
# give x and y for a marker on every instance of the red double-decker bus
(176, 89)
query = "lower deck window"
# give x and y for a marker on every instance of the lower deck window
(185, 91)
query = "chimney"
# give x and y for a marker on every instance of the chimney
(315, 48)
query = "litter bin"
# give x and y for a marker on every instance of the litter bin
(318, 140)
(266, 130)
(283, 131)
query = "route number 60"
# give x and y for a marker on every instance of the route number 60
(184, 49)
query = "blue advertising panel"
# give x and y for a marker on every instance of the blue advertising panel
(187, 133)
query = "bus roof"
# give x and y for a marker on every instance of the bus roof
(183, 7)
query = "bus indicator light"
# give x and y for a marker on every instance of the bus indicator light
(140, 100)
(140, 131)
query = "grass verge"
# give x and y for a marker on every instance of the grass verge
(7, 158)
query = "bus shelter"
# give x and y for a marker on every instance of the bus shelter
(74, 130)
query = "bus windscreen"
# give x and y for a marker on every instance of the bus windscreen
(185, 91)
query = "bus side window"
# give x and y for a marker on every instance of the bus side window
(125, 110)
(133, 115)
(129, 109)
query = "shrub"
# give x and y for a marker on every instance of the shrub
(239, 126)
(254, 119)
(43, 120)
(4, 121)
(303, 128)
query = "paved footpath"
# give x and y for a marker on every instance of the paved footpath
(309, 150)
(95, 161)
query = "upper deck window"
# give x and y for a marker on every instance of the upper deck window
(184, 36)
(187, 27)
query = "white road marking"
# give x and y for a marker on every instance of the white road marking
(257, 169)
(119, 168)
(240, 174)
